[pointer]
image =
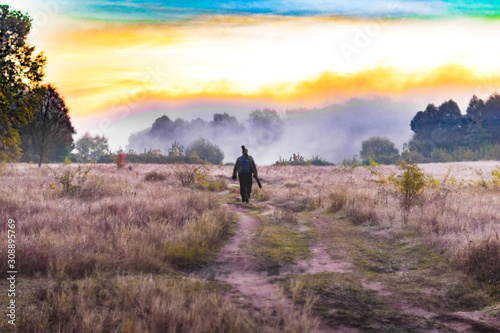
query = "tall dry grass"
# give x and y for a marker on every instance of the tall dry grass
(101, 258)
(461, 216)
(120, 223)
(116, 222)
(146, 304)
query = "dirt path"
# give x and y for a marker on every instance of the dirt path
(252, 279)
(255, 282)
(236, 267)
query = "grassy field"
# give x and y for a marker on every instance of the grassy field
(170, 248)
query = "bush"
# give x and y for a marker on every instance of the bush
(198, 176)
(350, 164)
(215, 185)
(319, 161)
(187, 174)
(382, 150)
(439, 155)
(71, 182)
(154, 176)
(361, 210)
(413, 157)
(495, 174)
(410, 184)
(120, 160)
(206, 151)
(338, 199)
(481, 259)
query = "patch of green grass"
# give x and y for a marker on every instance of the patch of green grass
(412, 270)
(342, 299)
(278, 244)
(415, 271)
(495, 310)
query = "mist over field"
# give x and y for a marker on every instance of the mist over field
(333, 133)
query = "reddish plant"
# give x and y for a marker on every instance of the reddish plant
(120, 160)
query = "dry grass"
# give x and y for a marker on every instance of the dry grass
(82, 255)
(460, 217)
(118, 223)
(144, 304)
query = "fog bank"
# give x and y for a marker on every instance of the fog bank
(333, 133)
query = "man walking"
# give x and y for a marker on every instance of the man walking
(245, 167)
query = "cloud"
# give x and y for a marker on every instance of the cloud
(179, 10)
(330, 87)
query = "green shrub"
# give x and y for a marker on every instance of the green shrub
(495, 174)
(410, 185)
(203, 150)
(380, 149)
(439, 155)
(71, 182)
(351, 164)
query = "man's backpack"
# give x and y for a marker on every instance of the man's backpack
(244, 165)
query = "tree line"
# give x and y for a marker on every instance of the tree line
(443, 134)
(199, 151)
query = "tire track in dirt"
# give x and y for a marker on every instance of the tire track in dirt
(236, 267)
(252, 279)
(453, 321)
(322, 262)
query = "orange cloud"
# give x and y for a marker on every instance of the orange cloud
(383, 81)
(450, 81)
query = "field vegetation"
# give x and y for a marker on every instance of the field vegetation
(103, 248)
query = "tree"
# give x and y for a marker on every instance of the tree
(51, 130)
(176, 150)
(382, 150)
(451, 123)
(475, 107)
(91, 147)
(443, 133)
(267, 125)
(441, 127)
(205, 151)
(490, 116)
(20, 71)
(224, 120)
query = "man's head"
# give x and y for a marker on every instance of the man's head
(244, 150)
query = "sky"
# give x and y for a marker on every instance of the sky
(121, 64)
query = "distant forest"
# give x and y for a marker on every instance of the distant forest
(444, 134)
